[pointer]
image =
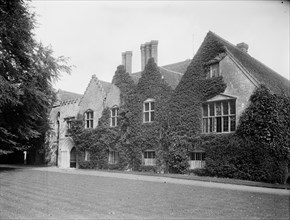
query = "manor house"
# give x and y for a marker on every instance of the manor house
(241, 72)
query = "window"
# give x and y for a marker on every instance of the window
(113, 157)
(197, 160)
(148, 110)
(214, 70)
(69, 122)
(69, 125)
(89, 118)
(87, 155)
(219, 117)
(114, 116)
(149, 158)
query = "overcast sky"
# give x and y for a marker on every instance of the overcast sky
(93, 34)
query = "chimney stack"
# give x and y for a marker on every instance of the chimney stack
(149, 50)
(128, 65)
(243, 47)
(143, 58)
(154, 50)
(127, 61)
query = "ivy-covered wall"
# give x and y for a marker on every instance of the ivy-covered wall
(176, 130)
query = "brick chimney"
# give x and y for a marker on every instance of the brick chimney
(243, 47)
(124, 59)
(143, 57)
(127, 61)
(148, 50)
(154, 50)
(128, 65)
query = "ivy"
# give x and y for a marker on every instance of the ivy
(259, 150)
(185, 104)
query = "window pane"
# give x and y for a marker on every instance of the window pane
(91, 124)
(226, 123)
(146, 106)
(211, 109)
(202, 156)
(192, 156)
(152, 106)
(205, 110)
(233, 107)
(113, 112)
(211, 125)
(205, 125)
(225, 108)
(152, 116)
(215, 70)
(198, 156)
(113, 122)
(218, 124)
(146, 116)
(88, 124)
(218, 108)
(233, 123)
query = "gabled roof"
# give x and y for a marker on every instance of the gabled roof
(259, 71)
(172, 73)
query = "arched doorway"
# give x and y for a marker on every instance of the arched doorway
(73, 158)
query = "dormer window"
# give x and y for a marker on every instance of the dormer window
(214, 70)
(148, 110)
(114, 116)
(89, 119)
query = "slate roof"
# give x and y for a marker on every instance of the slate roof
(172, 73)
(263, 74)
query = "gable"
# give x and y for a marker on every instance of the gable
(259, 71)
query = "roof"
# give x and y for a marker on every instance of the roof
(263, 74)
(172, 73)
(65, 95)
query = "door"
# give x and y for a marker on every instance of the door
(73, 158)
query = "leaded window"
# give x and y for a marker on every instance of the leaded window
(219, 117)
(114, 116)
(149, 111)
(89, 119)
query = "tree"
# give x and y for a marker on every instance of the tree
(27, 70)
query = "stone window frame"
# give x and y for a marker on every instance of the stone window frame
(197, 159)
(89, 119)
(87, 155)
(113, 157)
(215, 117)
(149, 158)
(150, 110)
(114, 114)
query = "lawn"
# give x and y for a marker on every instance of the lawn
(31, 194)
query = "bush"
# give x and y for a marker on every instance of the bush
(151, 169)
(199, 172)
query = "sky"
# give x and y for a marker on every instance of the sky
(93, 34)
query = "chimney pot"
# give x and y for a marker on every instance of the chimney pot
(243, 47)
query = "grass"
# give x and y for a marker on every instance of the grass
(31, 194)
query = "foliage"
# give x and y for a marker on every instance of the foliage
(185, 104)
(151, 169)
(259, 150)
(27, 70)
